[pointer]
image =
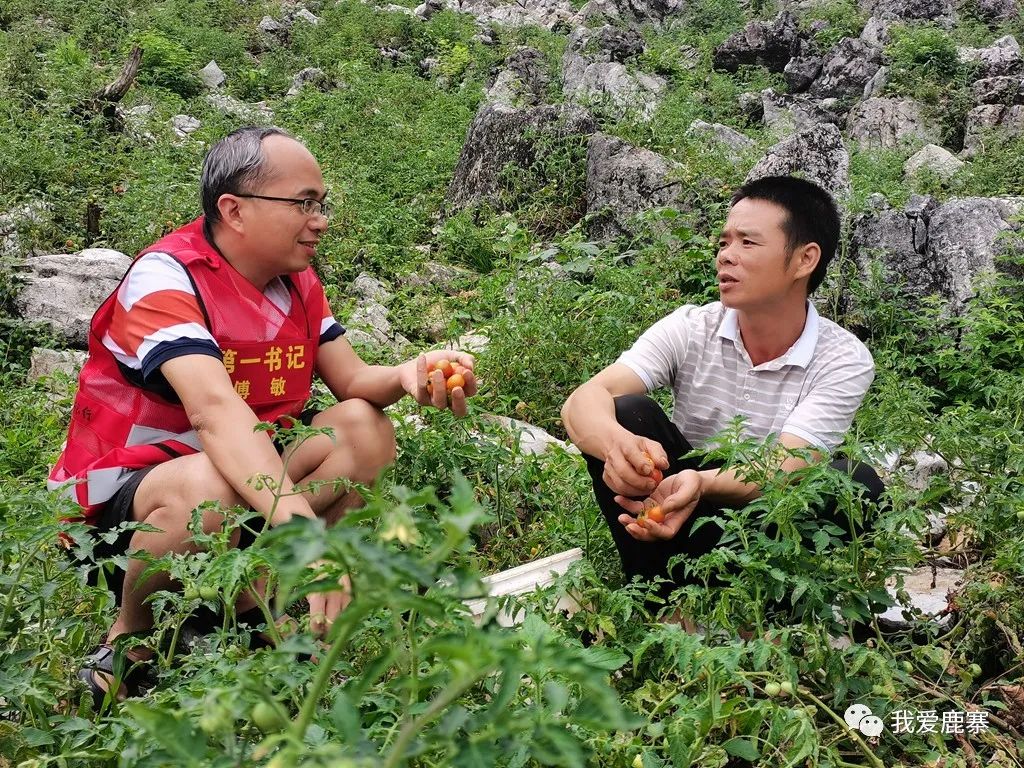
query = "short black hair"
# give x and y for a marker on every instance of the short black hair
(235, 165)
(811, 216)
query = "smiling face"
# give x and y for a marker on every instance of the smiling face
(278, 236)
(756, 270)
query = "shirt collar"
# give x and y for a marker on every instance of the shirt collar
(799, 354)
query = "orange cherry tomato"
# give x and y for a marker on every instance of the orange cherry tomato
(657, 475)
(656, 514)
(445, 367)
(455, 380)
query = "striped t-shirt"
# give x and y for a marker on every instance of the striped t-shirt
(157, 318)
(812, 391)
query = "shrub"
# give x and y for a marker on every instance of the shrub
(168, 64)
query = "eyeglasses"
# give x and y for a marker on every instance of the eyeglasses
(310, 206)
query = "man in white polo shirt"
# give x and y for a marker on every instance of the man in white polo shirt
(762, 353)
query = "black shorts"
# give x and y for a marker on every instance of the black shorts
(119, 510)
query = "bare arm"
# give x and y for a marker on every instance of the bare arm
(589, 418)
(224, 424)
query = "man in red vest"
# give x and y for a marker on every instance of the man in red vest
(219, 326)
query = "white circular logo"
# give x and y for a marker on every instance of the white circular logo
(855, 713)
(871, 726)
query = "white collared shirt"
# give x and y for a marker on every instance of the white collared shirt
(812, 391)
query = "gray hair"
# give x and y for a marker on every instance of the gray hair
(234, 165)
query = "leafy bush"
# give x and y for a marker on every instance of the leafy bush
(923, 63)
(168, 64)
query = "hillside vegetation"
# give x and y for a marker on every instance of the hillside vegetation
(410, 678)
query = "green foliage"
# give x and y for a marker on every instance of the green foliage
(168, 64)
(923, 63)
(845, 19)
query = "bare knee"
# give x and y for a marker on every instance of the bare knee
(177, 487)
(369, 430)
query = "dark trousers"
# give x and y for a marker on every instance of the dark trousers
(642, 416)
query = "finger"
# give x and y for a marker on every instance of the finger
(630, 505)
(612, 480)
(422, 397)
(466, 360)
(317, 614)
(631, 482)
(471, 383)
(634, 529)
(439, 396)
(458, 402)
(657, 453)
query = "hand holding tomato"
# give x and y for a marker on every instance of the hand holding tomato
(634, 465)
(674, 501)
(442, 378)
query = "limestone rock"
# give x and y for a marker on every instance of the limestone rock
(427, 10)
(925, 466)
(273, 30)
(997, 10)
(801, 71)
(768, 44)
(523, 81)
(965, 235)
(929, 592)
(876, 85)
(910, 9)
(632, 11)
(549, 14)
(445, 278)
(500, 136)
(136, 120)
(11, 245)
(784, 114)
(876, 32)
(622, 181)
(899, 241)
(64, 290)
(212, 75)
(47, 362)
(370, 325)
(847, 69)
(734, 142)
(533, 440)
(593, 73)
(1001, 58)
(257, 113)
(889, 123)
(474, 342)
(999, 90)
(304, 14)
(309, 76)
(934, 158)
(993, 121)
(183, 125)
(817, 153)
(370, 288)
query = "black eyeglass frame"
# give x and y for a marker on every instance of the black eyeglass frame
(323, 207)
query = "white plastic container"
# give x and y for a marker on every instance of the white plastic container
(524, 579)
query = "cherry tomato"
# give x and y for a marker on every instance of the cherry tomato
(445, 367)
(266, 717)
(455, 380)
(656, 514)
(208, 593)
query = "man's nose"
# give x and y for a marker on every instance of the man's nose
(724, 255)
(318, 222)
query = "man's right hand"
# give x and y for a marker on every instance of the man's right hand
(629, 463)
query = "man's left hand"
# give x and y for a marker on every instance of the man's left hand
(677, 495)
(416, 373)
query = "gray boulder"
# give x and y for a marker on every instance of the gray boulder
(49, 362)
(427, 10)
(801, 71)
(722, 137)
(258, 112)
(1001, 58)
(22, 217)
(619, 44)
(876, 85)
(370, 326)
(523, 80)
(889, 123)
(502, 136)
(898, 241)
(213, 77)
(549, 14)
(593, 74)
(997, 10)
(966, 235)
(935, 159)
(631, 11)
(992, 122)
(366, 286)
(306, 15)
(816, 153)
(910, 9)
(876, 32)
(64, 290)
(999, 90)
(847, 69)
(767, 44)
(623, 181)
(784, 114)
(309, 76)
(183, 125)
(445, 278)
(273, 31)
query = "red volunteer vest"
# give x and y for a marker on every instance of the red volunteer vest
(117, 427)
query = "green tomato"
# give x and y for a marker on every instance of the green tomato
(773, 689)
(214, 719)
(786, 687)
(974, 670)
(267, 718)
(190, 594)
(208, 593)
(907, 667)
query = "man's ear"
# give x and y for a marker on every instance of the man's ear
(806, 259)
(230, 213)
